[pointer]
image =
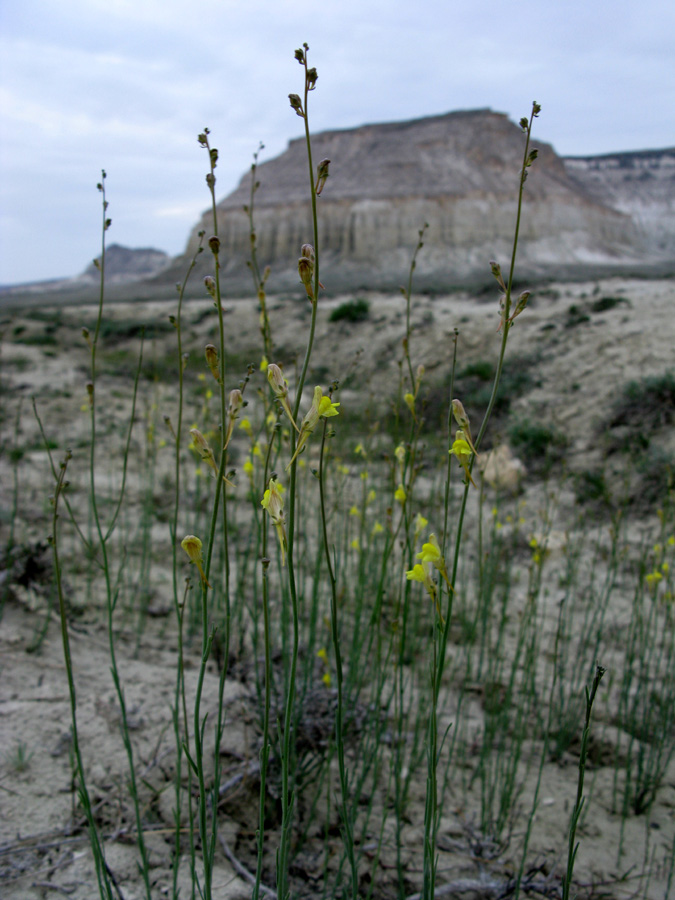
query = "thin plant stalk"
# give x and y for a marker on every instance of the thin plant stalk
(345, 806)
(102, 876)
(579, 803)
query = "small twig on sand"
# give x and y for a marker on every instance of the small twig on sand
(241, 870)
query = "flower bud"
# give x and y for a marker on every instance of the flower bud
(277, 380)
(308, 252)
(211, 355)
(321, 175)
(193, 547)
(296, 104)
(305, 271)
(235, 403)
(312, 76)
(214, 244)
(210, 285)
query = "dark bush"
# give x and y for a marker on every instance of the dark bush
(351, 311)
(605, 303)
(539, 445)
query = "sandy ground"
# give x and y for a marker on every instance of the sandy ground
(580, 368)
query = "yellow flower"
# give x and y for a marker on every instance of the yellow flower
(399, 453)
(245, 426)
(418, 573)
(377, 529)
(400, 495)
(323, 655)
(248, 467)
(463, 452)
(327, 408)
(354, 511)
(343, 470)
(326, 679)
(321, 408)
(263, 364)
(462, 420)
(355, 544)
(370, 498)
(420, 524)
(430, 552)
(422, 573)
(193, 547)
(410, 403)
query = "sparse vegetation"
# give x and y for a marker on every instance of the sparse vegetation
(351, 311)
(320, 644)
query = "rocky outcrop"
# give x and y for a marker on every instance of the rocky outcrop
(124, 264)
(640, 185)
(458, 172)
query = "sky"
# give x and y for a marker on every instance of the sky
(126, 86)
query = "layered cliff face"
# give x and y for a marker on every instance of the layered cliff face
(458, 172)
(125, 264)
(640, 185)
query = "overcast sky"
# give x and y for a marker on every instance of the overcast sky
(126, 85)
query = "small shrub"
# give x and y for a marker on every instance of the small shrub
(125, 329)
(648, 404)
(37, 340)
(483, 369)
(351, 311)
(576, 315)
(591, 487)
(606, 303)
(539, 445)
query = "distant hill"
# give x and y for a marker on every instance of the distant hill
(123, 264)
(458, 172)
(640, 185)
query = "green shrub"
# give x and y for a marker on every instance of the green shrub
(646, 405)
(576, 315)
(352, 311)
(591, 487)
(539, 445)
(483, 369)
(606, 303)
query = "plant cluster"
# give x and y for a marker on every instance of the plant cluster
(389, 612)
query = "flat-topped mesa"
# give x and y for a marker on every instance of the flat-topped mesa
(459, 172)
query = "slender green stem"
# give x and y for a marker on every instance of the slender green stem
(287, 791)
(104, 537)
(579, 803)
(102, 876)
(345, 808)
